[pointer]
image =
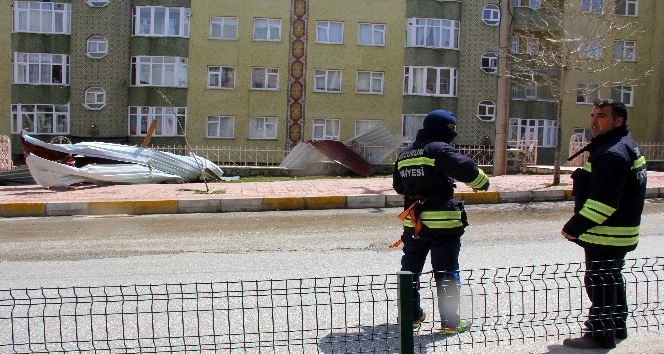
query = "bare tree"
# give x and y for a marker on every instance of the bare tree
(556, 39)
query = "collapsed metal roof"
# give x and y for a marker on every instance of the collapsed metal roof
(358, 154)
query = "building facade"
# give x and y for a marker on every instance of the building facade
(272, 74)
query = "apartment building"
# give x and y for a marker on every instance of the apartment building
(275, 73)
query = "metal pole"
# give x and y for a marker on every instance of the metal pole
(503, 94)
(405, 304)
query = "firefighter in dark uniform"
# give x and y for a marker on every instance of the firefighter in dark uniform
(433, 220)
(609, 192)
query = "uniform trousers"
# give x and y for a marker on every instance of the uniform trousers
(605, 287)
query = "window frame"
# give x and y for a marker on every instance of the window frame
(626, 8)
(97, 3)
(371, 82)
(545, 129)
(491, 60)
(533, 4)
(532, 45)
(589, 92)
(36, 115)
(261, 124)
(271, 23)
(324, 32)
(410, 124)
(24, 69)
(176, 66)
(100, 98)
(590, 7)
(222, 25)
(419, 30)
(154, 30)
(324, 75)
(591, 50)
(622, 91)
(322, 123)
(486, 111)
(265, 79)
(230, 78)
(623, 49)
(23, 13)
(410, 76)
(372, 123)
(143, 115)
(373, 31)
(491, 15)
(209, 120)
(98, 42)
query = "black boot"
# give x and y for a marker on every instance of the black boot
(591, 342)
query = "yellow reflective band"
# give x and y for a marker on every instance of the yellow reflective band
(587, 166)
(417, 161)
(609, 241)
(639, 162)
(615, 230)
(600, 207)
(442, 224)
(592, 215)
(479, 181)
(446, 214)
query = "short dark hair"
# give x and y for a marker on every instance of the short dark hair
(618, 108)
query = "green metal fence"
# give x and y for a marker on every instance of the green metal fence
(356, 314)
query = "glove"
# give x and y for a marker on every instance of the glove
(484, 187)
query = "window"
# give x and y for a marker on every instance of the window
(160, 21)
(41, 17)
(97, 47)
(40, 118)
(491, 15)
(489, 63)
(544, 130)
(587, 93)
(514, 45)
(592, 6)
(327, 80)
(524, 91)
(429, 81)
(220, 127)
(159, 71)
(626, 7)
(370, 82)
(95, 98)
(410, 124)
(532, 45)
(171, 121)
(97, 3)
(486, 111)
(41, 69)
(221, 77)
(624, 94)
(363, 125)
(432, 33)
(371, 34)
(591, 49)
(263, 128)
(267, 29)
(265, 78)
(223, 27)
(533, 4)
(624, 50)
(329, 32)
(326, 129)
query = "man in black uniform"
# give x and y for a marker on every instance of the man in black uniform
(433, 220)
(609, 193)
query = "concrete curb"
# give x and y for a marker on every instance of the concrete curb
(184, 206)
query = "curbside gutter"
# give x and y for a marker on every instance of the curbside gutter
(184, 206)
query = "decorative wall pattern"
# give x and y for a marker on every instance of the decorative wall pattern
(296, 72)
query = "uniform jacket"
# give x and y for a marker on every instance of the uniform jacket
(426, 171)
(609, 193)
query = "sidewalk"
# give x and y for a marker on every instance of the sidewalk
(296, 194)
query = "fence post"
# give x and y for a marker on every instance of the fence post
(405, 304)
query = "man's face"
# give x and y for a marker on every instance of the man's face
(602, 120)
(452, 127)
